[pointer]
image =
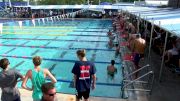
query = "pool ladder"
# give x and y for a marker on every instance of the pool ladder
(138, 84)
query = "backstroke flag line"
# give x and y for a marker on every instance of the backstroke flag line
(1, 27)
(20, 24)
(51, 19)
(43, 21)
(39, 21)
(33, 21)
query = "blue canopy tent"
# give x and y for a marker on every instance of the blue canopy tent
(105, 3)
(175, 28)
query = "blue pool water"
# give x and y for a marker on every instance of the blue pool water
(57, 44)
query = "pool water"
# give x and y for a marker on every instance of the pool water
(57, 42)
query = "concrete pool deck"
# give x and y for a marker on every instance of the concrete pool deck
(26, 96)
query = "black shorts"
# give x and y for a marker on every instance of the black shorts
(85, 94)
(111, 76)
(137, 58)
(17, 99)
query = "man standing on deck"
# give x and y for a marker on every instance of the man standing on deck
(83, 71)
(138, 48)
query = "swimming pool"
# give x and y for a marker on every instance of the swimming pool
(57, 42)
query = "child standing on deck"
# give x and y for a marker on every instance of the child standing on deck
(37, 76)
(84, 72)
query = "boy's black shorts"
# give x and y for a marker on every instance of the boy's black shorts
(85, 94)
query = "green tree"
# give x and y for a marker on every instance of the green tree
(14, 0)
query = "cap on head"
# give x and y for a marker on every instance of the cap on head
(112, 62)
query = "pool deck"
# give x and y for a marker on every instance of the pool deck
(167, 89)
(26, 96)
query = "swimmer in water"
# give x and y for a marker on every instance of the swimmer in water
(111, 70)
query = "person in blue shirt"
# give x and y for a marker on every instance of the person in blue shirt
(83, 71)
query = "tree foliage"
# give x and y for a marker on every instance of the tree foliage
(14, 0)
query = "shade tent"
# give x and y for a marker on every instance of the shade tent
(159, 12)
(169, 22)
(137, 9)
(175, 28)
(59, 7)
(168, 18)
(105, 3)
(167, 14)
(124, 4)
(149, 10)
(177, 31)
(117, 7)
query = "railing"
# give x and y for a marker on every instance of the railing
(136, 71)
(133, 81)
(150, 81)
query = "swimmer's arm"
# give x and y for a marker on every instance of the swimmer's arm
(48, 73)
(25, 81)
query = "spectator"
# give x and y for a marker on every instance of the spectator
(132, 29)
(110, 43)
(83, 71)
(112, 37)
(8, 81)
(171, 52)
(109, 33)
(158, 41)
(131, 39)
(122, 24)
(37, 76)
(49, 92)
(111, 70)
(114, 26)
(117, 50)
(178, 43)
(51, 13)
(110, 13)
